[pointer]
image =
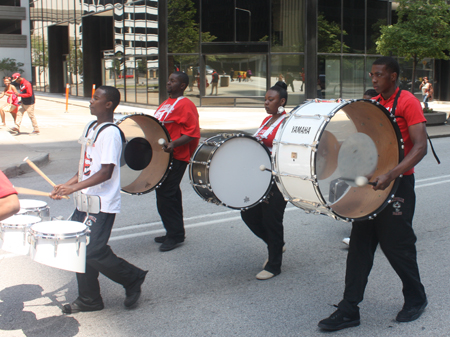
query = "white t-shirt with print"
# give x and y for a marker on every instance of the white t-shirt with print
(107, 149)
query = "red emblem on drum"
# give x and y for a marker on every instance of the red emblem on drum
(397, 205)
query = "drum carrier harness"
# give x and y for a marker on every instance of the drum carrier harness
(394, 106)
(85, 202)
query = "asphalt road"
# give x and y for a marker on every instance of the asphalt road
(207, 287)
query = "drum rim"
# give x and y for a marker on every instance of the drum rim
(68, 235)
(169, 167)
(319, 133)
(229, 136)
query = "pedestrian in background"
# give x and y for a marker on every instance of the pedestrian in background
(28, 101)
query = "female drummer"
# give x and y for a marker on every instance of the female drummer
(266, 219)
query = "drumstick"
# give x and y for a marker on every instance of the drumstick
(42, 174)
(363, 181)
(161, 141)
(263, 168)
(23, 190)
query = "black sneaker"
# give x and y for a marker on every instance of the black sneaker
(170, 244)
(160, 239)
(408, 313)
(134, 291)
(339, 320)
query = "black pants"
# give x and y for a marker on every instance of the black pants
(100, 258)
(392, 229)
(169, 201)
(265, 220)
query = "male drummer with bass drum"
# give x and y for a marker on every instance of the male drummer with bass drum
(9, 202)
(180, 117)
(392, 227)
(100, 176)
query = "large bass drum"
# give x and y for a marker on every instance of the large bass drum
(144, 165)
(226, 170)
(322, 147)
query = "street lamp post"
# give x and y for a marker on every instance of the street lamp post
(249, 21)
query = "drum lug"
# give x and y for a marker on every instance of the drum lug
(55, 253)
(78, 243)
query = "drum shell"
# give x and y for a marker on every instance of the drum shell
(35, 207)
(199, 168)
(14, 233)
(300, 182)
(60, 244)
(147, 127)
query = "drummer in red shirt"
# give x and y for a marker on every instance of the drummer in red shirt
(265, 220)
(9, 202)
(180, 117)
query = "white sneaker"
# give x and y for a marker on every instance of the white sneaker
(346, 241)
(264, 275)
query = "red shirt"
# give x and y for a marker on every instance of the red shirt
(408, 112)
(6, 188)
(180, 120)
(269, 140)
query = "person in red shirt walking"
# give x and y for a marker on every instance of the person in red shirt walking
(28, 100)
(392, 228)
(180, 117)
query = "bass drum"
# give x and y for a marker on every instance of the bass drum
(144, 165)
(323, 147)
(226, 170)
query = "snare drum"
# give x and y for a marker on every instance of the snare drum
(35, 207)
(14, 233)
(60, 244)
(307, 161)
(225, 170)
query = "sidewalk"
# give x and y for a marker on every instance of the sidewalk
(57, 127)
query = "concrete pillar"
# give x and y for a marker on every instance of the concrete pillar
(58, 47)
(98, 35)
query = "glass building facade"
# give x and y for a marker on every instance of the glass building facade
(320, 48)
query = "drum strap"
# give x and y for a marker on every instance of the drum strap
(394, 106)
(160, 118)
(85, 142)
(270, 129)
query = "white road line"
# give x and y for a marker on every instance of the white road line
(199, 224)
(432, 178)
(432, 184)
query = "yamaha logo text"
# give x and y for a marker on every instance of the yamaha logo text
(301, 129)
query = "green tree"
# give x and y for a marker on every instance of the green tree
(39, 54)
(329, 36)
(10, 66)
(183, 31)
(422, 31)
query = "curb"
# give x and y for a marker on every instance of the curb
(21, 168)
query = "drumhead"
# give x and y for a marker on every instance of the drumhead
(21, 220)
(59, 227)
(146, 165)
(30, 203)
(235, 175)
(324, 146)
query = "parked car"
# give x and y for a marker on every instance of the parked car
(126, 76)
(208, 70)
